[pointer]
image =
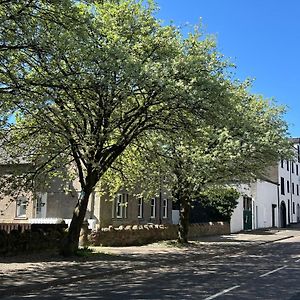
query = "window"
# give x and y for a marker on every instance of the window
(282, 163)
(140, 207)
(293, 188)
(282, 185)
(297, 189)
(298, 150)
(165, 208)
(297, 170)
(292, 167)
(293, 207)
(247, 203)
(125, 205)
(120, 207)
(288, 186)
(21, 208)
(287, 165)
(153, 204)
(41, 205)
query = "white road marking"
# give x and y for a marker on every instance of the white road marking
(271, 272)
(298, 260)
(222, 292)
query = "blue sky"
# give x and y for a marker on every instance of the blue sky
(262, 37)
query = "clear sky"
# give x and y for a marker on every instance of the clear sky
(262, 37)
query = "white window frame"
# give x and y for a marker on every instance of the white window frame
(140, 207)
(153, 208)
(120, 206)
(41, 205)
(165, 209)
(125, 205)
(21, 207)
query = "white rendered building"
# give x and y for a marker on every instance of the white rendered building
(273, 201)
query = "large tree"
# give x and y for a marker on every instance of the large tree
(247, 137)
(90, 79)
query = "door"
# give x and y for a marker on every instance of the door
(273, 214)
(289, 212)
(282, 214)
(247, 213)
(247, 219)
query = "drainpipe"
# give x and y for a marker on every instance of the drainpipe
(160, 198)
(92, 205)
(278, 207)
(160, 206)
(291, 193)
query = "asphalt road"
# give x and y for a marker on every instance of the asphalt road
(269, 271)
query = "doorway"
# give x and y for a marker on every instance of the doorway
(273, 214)
(247, 213)
(283, 214)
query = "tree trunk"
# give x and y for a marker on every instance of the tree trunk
(184, 217)
(70, 243)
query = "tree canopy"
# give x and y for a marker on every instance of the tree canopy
(89, 81)
(239, 146)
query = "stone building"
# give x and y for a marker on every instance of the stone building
(56, 203)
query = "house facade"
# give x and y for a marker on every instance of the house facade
(58, 201)
(25, 207)
(257, 206)
(126, 209)
(289, 185)
(273, 201)
(270, 202)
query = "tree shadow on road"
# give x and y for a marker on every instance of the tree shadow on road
(194, 272)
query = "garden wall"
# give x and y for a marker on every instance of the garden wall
(144, 234)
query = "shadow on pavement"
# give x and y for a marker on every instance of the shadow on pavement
(201, 269)
(189, 275)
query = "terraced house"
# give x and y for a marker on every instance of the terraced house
(57, 202)
(273, 201)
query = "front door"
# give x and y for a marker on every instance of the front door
(247, 219)
(282, 214)
(273, 214)
(247, 214)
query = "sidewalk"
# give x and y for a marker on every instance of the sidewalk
(22, 274)
(253, 237)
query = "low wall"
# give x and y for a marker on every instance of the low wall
(144, 234)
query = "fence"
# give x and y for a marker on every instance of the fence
(21, 238)
(8, 227)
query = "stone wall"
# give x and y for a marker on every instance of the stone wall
(144, 234)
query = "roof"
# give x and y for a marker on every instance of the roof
(295, 140)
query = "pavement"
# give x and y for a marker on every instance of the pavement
(25, 274)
